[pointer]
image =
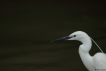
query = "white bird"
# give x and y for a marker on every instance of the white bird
(92, 63)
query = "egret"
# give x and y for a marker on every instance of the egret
(92, 63)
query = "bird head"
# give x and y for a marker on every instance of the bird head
(78, 35)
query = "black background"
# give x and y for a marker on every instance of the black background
(28, 26)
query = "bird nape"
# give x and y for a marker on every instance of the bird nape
(92, 63)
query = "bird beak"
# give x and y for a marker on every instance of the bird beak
(63, 38)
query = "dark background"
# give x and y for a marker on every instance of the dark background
(28, 26)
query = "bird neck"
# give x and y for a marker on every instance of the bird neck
(86, 44)
(84, 53)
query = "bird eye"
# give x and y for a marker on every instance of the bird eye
(74, 36)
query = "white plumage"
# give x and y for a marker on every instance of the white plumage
(92, 63)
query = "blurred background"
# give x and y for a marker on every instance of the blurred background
(28, 26)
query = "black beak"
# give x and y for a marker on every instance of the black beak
(63, 38)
